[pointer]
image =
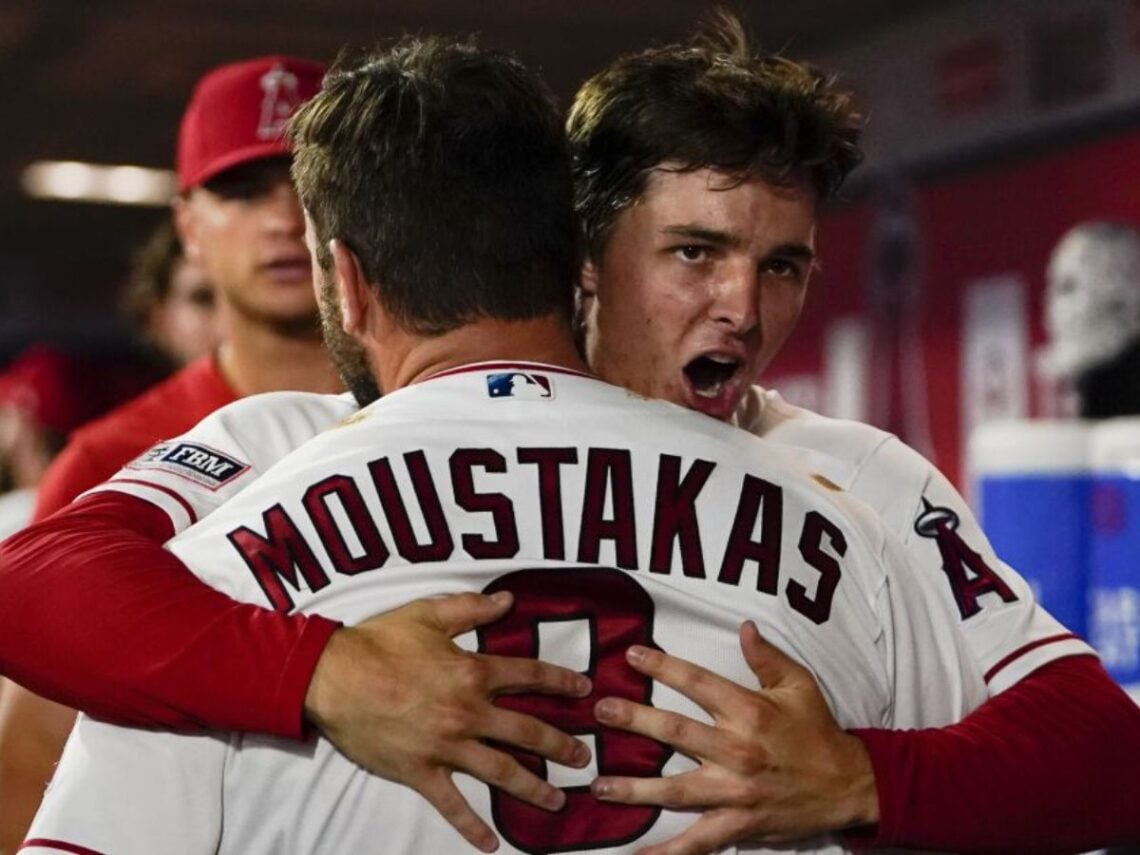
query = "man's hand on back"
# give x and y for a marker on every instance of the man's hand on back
(774, 765)
(399, 698)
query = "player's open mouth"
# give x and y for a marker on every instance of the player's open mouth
(709, 374)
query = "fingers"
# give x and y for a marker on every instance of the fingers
(682, 733)
(698, 684)
(449, 802)
(770, 664)
(711, 832)
(536, 736)
(509, 675)
(503, 772)
(456, 614)
(687, 791)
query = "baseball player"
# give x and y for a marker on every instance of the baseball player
(1009, 637)
(670, 537)
(698, 199)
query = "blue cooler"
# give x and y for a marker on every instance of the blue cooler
(1114, 549)
(1029, 484)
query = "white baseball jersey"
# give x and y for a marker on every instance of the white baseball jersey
(1008, 633)
(1006, 630)
(614, 521)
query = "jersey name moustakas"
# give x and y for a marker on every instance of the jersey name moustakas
(683, 521)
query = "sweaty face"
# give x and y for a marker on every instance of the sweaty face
(701, 281)
(246, 228)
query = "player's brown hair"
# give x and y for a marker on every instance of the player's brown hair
(444, 167)
(711, 103)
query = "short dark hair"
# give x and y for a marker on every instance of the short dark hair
(711, 103)
(444, 168)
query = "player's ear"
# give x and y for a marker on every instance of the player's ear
(186, 224)
(352, 287)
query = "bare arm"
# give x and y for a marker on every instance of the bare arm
(32, 734)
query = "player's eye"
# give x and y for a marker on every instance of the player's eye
(691, 253)
(783, 268)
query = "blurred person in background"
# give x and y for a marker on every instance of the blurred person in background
(1092, 317)
(45, 394)
(238, 217)
(171, 300)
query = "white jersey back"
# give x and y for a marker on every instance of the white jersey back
(614, 521)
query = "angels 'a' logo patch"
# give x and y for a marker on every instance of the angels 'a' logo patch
(965, 569)
(201, 464)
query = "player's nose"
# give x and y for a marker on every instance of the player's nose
(736, 300)
(282, 209)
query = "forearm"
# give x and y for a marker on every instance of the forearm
(1052, 763)
(96, 615)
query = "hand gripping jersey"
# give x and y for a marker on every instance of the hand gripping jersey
(613, 520)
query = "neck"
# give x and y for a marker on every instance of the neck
(406, 358)
(256, 359)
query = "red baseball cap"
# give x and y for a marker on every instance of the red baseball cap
(238, 112)
(62, 391)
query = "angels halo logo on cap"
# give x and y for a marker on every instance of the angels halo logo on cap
(238, 113)
(280, 101)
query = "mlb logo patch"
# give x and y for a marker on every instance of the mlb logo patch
(198, 463)
(519, 384)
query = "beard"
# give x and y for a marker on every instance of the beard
(348, 357)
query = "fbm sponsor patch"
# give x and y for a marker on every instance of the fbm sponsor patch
(198, 463)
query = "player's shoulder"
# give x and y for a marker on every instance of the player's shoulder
(847, 450)
(288, 407)
(275, 423)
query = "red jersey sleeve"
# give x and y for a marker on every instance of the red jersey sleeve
(1050, 764)
(94, 613)
(74, 471)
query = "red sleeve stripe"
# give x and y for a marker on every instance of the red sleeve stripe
(162, 489)
(60, 846)
(1021, 651)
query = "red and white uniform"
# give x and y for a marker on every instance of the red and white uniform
(1008, 633)
(613, 519)
(99, 449)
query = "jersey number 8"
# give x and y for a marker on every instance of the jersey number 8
(619, 613)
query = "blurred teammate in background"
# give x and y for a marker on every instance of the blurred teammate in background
(171, 300)
(45, 394)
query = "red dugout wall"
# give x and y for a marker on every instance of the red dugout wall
(995, 225)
